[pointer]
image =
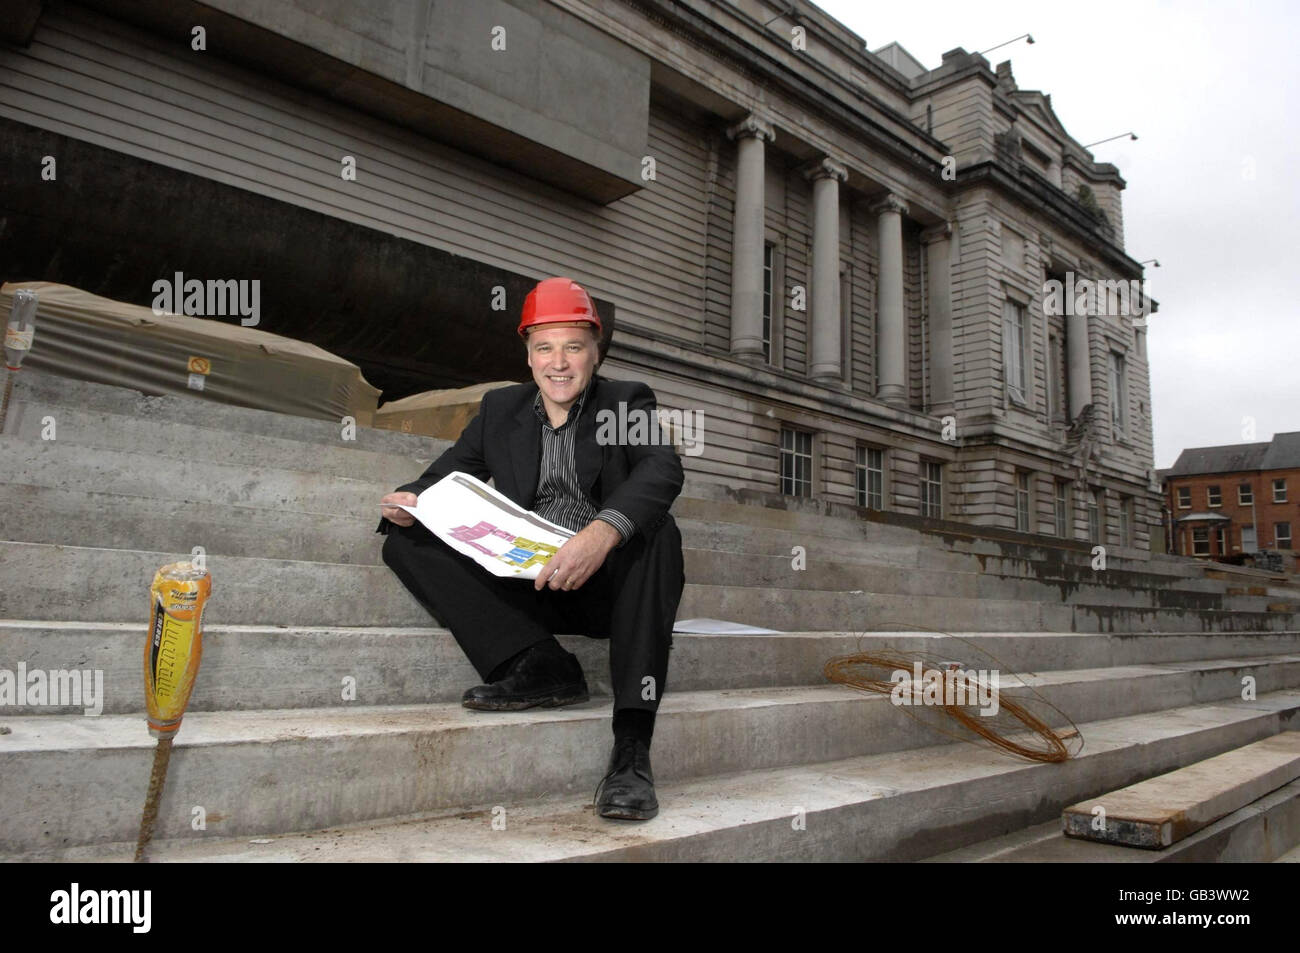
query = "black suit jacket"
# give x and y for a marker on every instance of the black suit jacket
(504, 443)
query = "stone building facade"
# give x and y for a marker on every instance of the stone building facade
(837, 256)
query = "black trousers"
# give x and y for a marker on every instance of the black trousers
(631, 600)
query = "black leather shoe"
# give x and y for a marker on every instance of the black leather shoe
(544, 675)
(627, 791)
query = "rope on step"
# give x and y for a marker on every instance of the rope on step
(927, 687)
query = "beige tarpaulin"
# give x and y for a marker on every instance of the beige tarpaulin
(81, 335)
(435, 413)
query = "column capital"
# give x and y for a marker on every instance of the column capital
(825, 168)
(752, 125)
(936, 233)
(890, 203)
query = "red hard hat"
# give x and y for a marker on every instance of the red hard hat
(558, 301)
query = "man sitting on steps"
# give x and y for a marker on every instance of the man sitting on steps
(619, 577)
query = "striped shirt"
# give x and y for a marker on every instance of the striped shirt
(559, 497)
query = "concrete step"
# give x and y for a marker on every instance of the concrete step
(104, 417)
(145, 475)
(44, 392)
(246, 445)
(249, 667)
(894, 806)
(42, 514)
(1059, 577)
(831, 572)
(82, 776)
(835, 520)
(1265, 830)
(54, 515)
(908, 548)
(192, 441)
(866, 611)
(74, 583)
(77, 583)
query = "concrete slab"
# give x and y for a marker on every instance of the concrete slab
(43, 390)
(866, 610)
(190, 440)
(78, 775)
(244, 666)
(288, 485)
(269, 667)
(894, 806)
(59, 582)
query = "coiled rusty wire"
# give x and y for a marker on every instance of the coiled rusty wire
(862, 670)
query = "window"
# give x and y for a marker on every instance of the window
(1013, 349)
(931, 489)
(769, 253)
(1282, 535)
(1062, 509)
(1245, 495)
(1125, 520)
(1118, 395)
(871, 477)
(1279, 491)
(1201, 541)
(1022, 501)
(796, 462)
(1213, 497)
(1184, 497)
(1094, 516)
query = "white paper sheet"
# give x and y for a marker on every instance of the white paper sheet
(719, 627)
(477, 521)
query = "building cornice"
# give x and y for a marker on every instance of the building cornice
(1039, 196)
(897, 137)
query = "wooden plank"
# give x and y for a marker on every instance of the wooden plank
(1162, 810)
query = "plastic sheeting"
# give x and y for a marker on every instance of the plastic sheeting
(436, 413)
(84, 336)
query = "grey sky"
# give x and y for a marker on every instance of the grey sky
(1210, 89)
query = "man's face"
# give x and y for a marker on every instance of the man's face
(562, 360)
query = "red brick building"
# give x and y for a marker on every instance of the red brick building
(1223, 502)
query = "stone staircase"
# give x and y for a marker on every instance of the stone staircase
(756, 756)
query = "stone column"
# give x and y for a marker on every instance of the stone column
(891, 337)
(747, 238)
(826, 359)
(938, 245)
(1080, 372)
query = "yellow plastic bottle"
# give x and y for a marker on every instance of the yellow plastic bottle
(175, 646)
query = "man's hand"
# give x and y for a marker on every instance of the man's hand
(398, 516)
(575, 561)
